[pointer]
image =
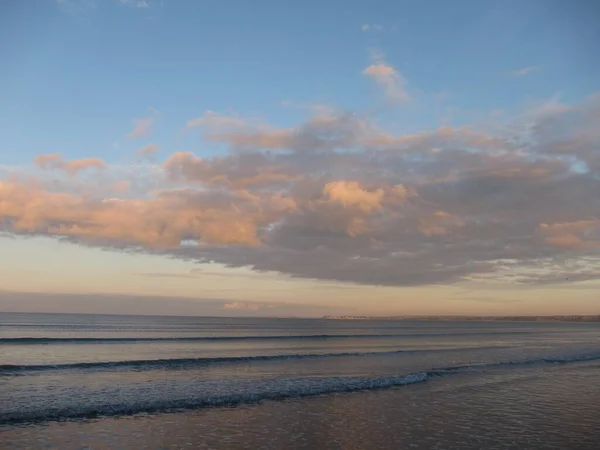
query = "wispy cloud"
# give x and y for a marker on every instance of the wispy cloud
(135, 3)
(198, 273)
(147, 150)
(325, 130)
(371, 27)
(524, 71)
(387, 77)
(317, 108)
(78, 9)
(55, 161)
(141, 127)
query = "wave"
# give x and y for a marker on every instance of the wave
(523, 362)
(109, 340)
(325, 386)
(177, 363)
(298, 388)
(182, 363)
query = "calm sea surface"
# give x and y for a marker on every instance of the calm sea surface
(92, 381)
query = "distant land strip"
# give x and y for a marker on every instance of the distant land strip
(595, 318)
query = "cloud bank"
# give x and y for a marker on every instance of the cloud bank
(154, 305)
(338, 198)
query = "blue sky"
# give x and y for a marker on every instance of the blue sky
(78, 74)
(78, 71)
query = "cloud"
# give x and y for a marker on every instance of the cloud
(337, 197)
(235, 172)
(55, 161)
(155, 305)
(324, 131)
(351, 194)
(248, 306)
(388, 78)
(241, 133)
(147, 150)
(371, 27)
(524, 71)
(76, 8)
(141, 128)
(135, 3)
(572, 235)
(121, 187)
(48, 161)
(76, 165)
(161, 221)
(80, 9)
(199, 273)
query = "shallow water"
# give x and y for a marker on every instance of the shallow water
(296, 383)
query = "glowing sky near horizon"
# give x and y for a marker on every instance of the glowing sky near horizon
(268, 159)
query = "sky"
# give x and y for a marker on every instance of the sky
(300, 158)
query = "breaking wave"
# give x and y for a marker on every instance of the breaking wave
(279, 389)
(310, 389)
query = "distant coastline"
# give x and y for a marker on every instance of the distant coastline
(592, 318)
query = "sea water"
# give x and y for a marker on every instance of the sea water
(67, 379)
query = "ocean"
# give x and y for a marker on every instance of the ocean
(72, 381)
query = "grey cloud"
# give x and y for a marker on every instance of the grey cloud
(325, 131)
(341, 200)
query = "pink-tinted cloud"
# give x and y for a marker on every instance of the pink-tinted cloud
(234, 172)
(49, 161)
(162, 221)
(55, 161)
(388, 78)
(239, 132)
(572, 235)
(121, 187)
(351, 194)
(342, 199)
(326, 130)
(76, 165)
(147, 150)
(141, 128)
